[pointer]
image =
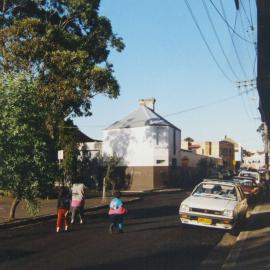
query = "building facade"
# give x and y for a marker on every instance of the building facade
(148, 147)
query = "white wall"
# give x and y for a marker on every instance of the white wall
(238, 153)
(141, 146)
(256, 161)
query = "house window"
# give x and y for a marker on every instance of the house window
(159, 161)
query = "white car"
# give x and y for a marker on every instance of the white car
(252, 174)
(214, 203)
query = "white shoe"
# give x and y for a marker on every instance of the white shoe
(57, 229)
(66, 228)
(81, 221)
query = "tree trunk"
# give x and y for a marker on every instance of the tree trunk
(13, 208)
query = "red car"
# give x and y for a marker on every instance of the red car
(249, 187)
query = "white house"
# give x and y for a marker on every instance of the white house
(255, 161)
(85, 144)
(148, 145)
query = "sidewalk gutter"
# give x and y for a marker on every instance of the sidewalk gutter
(37, 219)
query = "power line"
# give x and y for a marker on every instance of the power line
(234, 46)
(210, 104)
(218, 39)
(248, 19)
(243, 29)
(205, 41)
(228, 25)
(250, 13)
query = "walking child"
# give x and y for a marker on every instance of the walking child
(63, 205)
(78, 201)
(116, 213)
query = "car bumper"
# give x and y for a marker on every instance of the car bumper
(207, 221)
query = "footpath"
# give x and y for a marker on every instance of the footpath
(251, 250)
(47, 210)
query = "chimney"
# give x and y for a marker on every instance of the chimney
(149, 102)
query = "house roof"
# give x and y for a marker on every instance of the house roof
(143, 116)
(82, 138)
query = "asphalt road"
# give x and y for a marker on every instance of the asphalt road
(153, 239)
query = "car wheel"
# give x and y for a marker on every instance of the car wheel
(235, 230)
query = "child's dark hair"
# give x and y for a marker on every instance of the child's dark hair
(63, 192)
(117, 194)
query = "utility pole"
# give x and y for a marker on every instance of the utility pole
(266, 150)
(263, 70)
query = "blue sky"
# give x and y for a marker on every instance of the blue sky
(166, 58)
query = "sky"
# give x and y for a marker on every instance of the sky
(190, 55)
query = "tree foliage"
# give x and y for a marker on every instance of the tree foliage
(65, 44)
(111, 176)
(69, 145)
(26, 170)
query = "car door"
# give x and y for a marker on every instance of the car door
(242, 200)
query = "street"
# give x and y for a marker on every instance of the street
(153, 239)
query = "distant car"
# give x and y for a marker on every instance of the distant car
(214, 203)
(253, 174)
(249, 186)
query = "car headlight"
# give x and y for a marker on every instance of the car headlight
(228, 213)
(184, 208)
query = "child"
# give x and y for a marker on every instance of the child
(116, 213)
(78, 201)
(63, 205)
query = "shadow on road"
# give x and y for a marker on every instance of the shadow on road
(258, 221)
(181, 258)
(13, 254)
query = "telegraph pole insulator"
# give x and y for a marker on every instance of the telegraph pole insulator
(236, 4)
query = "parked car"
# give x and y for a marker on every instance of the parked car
(253, 174)
(249, 186)
(214, 203)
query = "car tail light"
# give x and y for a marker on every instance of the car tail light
(225, 221)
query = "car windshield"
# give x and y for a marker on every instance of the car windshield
(244, 182)
(249, 174)
(218, 191)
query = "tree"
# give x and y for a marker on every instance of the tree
(69, 145)
(205, 167)
(111, 177)
(260, 130)
(189, 140)
(26, 170)
(65, 45)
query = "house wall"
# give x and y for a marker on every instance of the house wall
(255, 161)
(94, 148)
(190, 159)
(146, 153)
(132, 145)
(143, 146)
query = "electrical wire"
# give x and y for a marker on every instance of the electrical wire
(248, 19)
(209, 104)
(250, 13)
(243, 29)
(233, 43)
(205, 41)
(228, 25)
(218, 39)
